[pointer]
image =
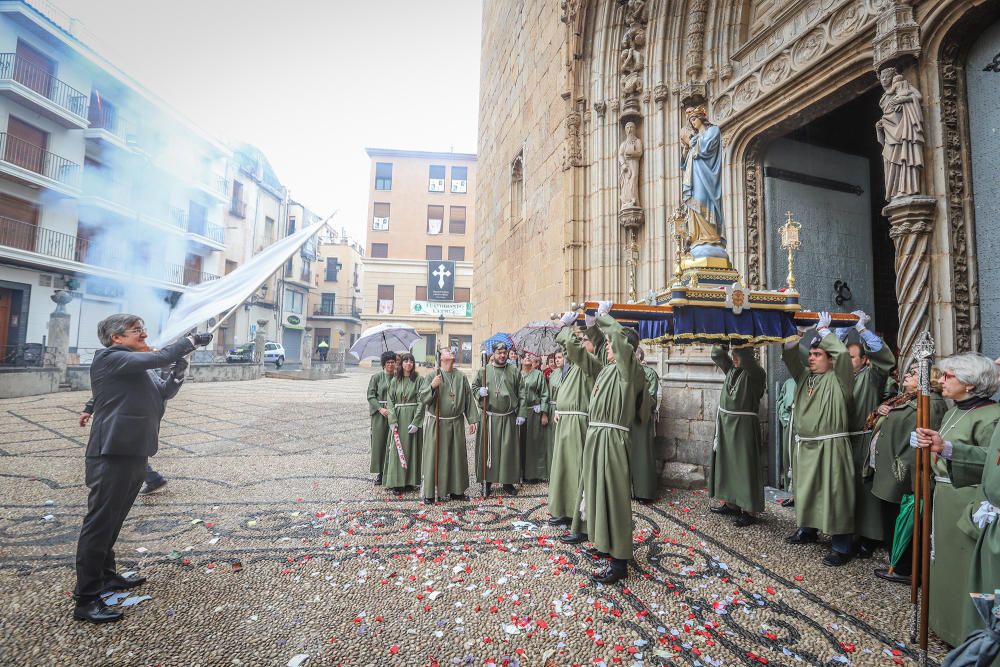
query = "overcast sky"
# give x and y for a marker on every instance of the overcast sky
(310, 82)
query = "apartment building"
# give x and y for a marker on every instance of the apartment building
(335, 305)
(105, 192)
(418, 265)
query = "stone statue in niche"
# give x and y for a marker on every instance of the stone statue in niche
(702, 186)
(901, 133)
(629, 154)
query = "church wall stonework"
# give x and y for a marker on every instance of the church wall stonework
(551, 87)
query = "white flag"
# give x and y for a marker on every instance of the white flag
(211, 299)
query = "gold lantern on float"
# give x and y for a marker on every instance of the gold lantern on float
(791, 240)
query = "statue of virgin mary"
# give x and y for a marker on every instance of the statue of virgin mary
(702, 187)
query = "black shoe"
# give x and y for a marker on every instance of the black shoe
(120, 583)
(398, 492)
(510, 489)
(615, 573)
(723, 509)
(489, 489)
(459, 496)
(645, 501)
(866, 550)
(787, 502)
(574, 538)
(150, 487)
(428, 501)
(745, 519)
(802, 536)
(559, 521)
(593, 552)
(836, 559)
(378, 479)
(895, 577)
(96, 612)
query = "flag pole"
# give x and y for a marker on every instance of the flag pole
(437, 431)
(486, 418)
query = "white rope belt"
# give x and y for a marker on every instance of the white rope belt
(563, 413)
(605, 425)
(499, 414)
(817, 438)
(942, 480)
(489, 439)
(722, 410)
(383, 402)
(742, 414)
(431, 416)
(405, 405)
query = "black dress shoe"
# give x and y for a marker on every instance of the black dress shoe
(510, 489)
(787, 502)
(428, 501)
(96, 612)
(865, 550)
(723, 509)
(559, 521)
(573, 538)
(593, 552)
(458, 496)
(645, 501)
(836, 559)
(148, 487)
(744, 520)
(120, 583)
(615, 573)
(802, 537)
(378, 479)
(895, 577)
(398, 492)
(489, 488)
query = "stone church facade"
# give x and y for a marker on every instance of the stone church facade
(803, 92)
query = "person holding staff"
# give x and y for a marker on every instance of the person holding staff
(378, 387)
(497, 453)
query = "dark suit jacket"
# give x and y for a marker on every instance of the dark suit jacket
(128, 401)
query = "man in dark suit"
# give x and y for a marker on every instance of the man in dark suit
(128, 405)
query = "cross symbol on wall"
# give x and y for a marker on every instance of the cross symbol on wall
(441, 273)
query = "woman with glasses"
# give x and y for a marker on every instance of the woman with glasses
(969, 380)
(406, 416)
(890, 460)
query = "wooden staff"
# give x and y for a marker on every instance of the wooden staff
(486, 422)
(923, 354)
(437, 431)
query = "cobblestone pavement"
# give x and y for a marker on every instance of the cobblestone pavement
(270, 542)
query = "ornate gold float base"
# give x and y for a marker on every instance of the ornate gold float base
(708, 271)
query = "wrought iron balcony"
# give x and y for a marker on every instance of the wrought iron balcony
(38, 79)
(326, 310)
(36, 159)
(111, 122)
(216, 233)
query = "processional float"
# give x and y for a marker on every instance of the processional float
(708, 304)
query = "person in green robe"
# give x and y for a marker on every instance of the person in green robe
(580, 369)
(823, 464)
(534, 452)
(378, 388)
(969, 380)
(737, 477)
(558, 362)
(498, 456)
(642, 459)
(890, 461)
(784, 405)
(872, 363)
(406, 417)
(605, 497)
(449, 402)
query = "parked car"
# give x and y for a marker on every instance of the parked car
(274, 353)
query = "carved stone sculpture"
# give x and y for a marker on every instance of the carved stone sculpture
(702, 187)
(901, 133)
(629, 155)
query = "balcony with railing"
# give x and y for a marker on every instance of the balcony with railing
(17, 235)
(215, 185)
(207, 234)
(108, 125)
(331, 311)
(34, 86)
(37, 166)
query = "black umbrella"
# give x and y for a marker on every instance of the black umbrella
(982, 647)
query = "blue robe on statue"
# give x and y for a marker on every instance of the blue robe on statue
(703, 188)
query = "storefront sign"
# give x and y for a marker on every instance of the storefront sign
(461, 309)
(292, 321)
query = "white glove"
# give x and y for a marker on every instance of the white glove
(824, 320)
(603, 307)
(394, 427)
(569, 317)
(913, 439)
(484, 392)
(589, 320)
(537, 409)
(520, 421)
(413, 428)
(863, 319)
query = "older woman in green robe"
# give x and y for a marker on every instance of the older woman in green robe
(737, 478)
(963, 439)
(889, 467)
(557, 363)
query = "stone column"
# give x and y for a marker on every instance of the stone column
(341, 351)
(911, 220)
(258, 342)
(57, 341)
(306, 353)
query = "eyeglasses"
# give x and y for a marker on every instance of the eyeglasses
(138, 331)
(947, 374)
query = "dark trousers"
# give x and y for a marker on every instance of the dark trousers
(841, 543)
(114, 483)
